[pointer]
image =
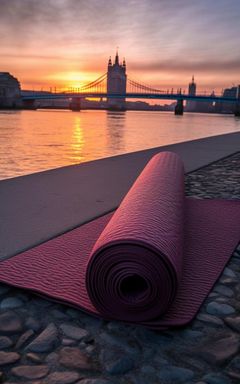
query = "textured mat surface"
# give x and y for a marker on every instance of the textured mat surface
(152, 262)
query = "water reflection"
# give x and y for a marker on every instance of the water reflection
(116, 123)
(10, 112)
(32, 141)
(77, 140)
(118, 115)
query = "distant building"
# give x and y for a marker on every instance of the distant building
(227, 107)
(196, 105)
(206, 106)
(191, 104)
(10, 91)
(116, 83)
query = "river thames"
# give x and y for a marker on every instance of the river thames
(33, 141)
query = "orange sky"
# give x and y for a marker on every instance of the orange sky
(66, 43)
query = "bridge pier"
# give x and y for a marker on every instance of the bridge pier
(29, 104)
(75, 104)
(237, 110)
(237, 106)
(179, 108)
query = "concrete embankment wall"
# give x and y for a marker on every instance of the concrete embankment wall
(37, 207)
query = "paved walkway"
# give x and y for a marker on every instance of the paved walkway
(47, 343)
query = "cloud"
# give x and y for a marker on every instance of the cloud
(212, 66)
(33, 57)
(179, 36)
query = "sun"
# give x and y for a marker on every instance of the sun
(73, 80)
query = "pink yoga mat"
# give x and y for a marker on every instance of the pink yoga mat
(152, 262)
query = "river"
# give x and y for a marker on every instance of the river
(33, 141)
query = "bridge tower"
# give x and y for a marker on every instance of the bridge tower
(190, 104)
(116, 83)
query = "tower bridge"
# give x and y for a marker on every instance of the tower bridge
(115, 86)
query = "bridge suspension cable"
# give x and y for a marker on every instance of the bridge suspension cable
(93, 84)
(137, 86)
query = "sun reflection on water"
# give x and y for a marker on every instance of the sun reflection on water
(78, 141)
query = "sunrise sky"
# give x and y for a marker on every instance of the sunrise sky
(68, 42)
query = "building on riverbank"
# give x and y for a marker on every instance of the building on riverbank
(227, 107)
(10, 91)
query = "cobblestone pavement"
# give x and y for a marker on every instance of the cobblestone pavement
(48, 343)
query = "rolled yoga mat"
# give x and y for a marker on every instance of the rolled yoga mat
(152, 262)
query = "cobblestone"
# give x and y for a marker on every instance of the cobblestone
(8, 358)
(75, 358)
(219, 309)
(45, 341)
(10, 323)
(74, 332)
(62, 378)
(30, 372)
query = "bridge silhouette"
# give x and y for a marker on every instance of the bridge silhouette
(134, 90)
